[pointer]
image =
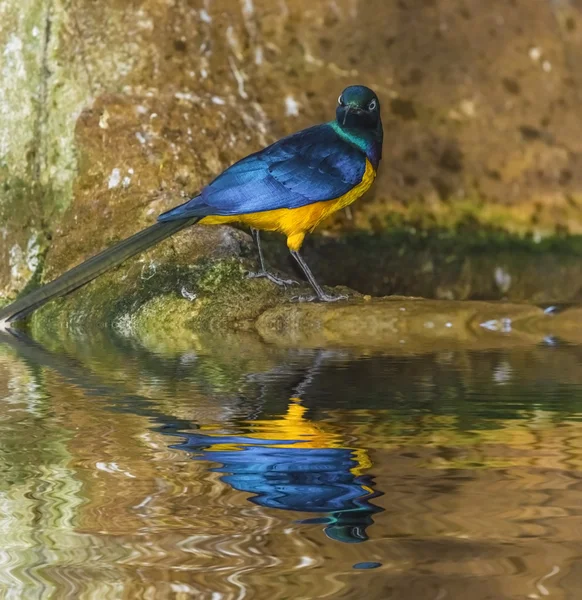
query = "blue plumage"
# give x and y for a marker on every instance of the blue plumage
(313, 165)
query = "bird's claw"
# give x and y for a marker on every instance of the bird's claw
(273, 278)
(330, 298)
(322, 298)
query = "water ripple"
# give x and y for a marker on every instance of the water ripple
(270, 474)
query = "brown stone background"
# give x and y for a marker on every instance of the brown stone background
(113, 111)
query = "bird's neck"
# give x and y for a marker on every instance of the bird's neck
(368, 141)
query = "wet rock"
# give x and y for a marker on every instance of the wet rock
(196, 281)
(409, 325)
(406, 324)
(213, 296)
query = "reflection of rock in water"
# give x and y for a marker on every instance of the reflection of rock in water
(321, 480)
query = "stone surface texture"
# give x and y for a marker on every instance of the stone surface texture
(113, 111)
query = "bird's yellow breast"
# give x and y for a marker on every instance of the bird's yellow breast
(296, 222)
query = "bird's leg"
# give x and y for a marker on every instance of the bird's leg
(256, 234)
(321, 295)
(263, 272)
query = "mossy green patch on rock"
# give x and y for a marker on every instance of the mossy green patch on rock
(171, 325)
(220, 298)
(23, 239)
(194, 282)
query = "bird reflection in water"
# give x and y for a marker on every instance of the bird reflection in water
(290, 463)
(293, 463)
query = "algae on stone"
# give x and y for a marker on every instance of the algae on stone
(196, 281)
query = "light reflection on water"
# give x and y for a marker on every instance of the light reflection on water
(239, 470)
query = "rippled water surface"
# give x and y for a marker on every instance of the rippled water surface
(237, 470)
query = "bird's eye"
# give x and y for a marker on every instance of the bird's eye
(372, 105)
(340, 101)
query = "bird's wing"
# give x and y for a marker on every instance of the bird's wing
(310, 166)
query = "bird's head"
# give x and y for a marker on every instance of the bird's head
(358, 107)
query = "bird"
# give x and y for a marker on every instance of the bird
(289, 187)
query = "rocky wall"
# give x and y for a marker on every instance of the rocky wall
(113, 111)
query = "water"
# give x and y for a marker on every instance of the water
(239, 470)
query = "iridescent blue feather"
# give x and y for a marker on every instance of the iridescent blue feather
(313, 165)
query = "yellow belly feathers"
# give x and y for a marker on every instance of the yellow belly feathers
(296, 222)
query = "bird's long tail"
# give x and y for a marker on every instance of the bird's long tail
(92, 268)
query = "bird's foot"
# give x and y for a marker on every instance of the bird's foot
(322, 298)
(273, 278)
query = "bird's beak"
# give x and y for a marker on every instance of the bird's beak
(348, 109)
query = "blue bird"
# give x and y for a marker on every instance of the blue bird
(289, 187)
